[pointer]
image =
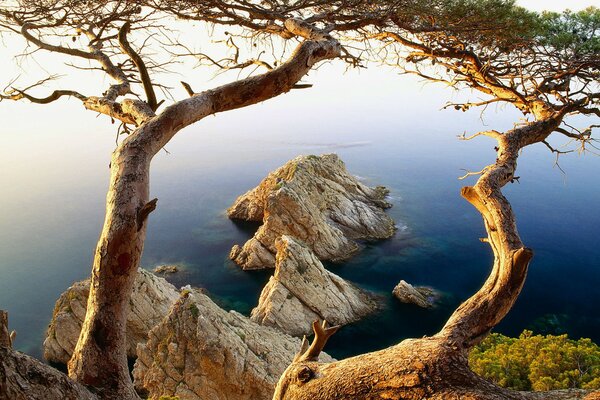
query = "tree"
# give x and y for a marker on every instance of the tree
(537, 362)
(490, 46)
(548, 67)
(100, 33)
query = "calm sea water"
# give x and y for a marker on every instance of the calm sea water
(53, 199)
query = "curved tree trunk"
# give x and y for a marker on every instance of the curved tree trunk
(437, 367)
(99, 359)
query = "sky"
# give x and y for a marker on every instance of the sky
(557, 5)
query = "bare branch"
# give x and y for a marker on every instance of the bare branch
(322, 333)
(140, 65)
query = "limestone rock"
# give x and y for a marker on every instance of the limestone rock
(24, 378)
(316, 200)
(201, 351)
(302, 290)
(423, 296)
(150, 302)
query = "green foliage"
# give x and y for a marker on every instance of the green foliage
(169, 398)
(194, 310)
(479, 23)
(577, 33)
(536, 362)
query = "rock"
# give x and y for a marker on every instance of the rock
(314, 199)
(201, 351)
(166, 269)
(302, 290)
(24, 378)
(423, 296)
(150, 302)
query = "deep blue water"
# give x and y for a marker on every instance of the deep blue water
(51, 218)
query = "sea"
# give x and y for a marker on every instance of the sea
(389, 131)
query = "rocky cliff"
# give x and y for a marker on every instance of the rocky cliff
(302, 290)
(201, 351)
(150, 302)
(316, 200)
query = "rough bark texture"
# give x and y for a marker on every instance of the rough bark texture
(302, 290)
(316, 200)
(100, 357)
(415, 369)
(201, 351)
(150, 302)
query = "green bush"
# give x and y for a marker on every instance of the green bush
(536, 362)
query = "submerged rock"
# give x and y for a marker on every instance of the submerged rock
(201, 351)
(423, 296)
(166, 269)
(150, 302)
(316, 200)
(302, 290)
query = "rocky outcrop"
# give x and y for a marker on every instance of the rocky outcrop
(201, 351)
(423, 296)
(302, 290)
(150, 302)
(24, 378)
(316, 200)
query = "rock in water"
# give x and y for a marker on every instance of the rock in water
(201, 351)
(316, 200)
(423, 296)
(150, 302)
(302, 290)
(166, 269)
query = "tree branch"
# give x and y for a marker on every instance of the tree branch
(140, 65)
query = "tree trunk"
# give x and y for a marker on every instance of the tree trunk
(100, 359)
(416, 369)
(437, 367)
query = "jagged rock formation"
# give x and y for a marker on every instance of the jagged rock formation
(302, 290)
(150, 302)
(423, 296)
(24, 378)
(201, 351)
(314, 199)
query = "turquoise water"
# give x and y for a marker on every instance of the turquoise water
(53, 205)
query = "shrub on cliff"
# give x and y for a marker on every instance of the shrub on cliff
(537, 362)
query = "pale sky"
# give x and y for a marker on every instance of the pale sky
(557, 5)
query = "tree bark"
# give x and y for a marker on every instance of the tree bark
(416, 369)
(99, 359)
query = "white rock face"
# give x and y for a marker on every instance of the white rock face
(423, 296)
(150, 302)
(201, 351)
(314, 199)
(302, 290)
